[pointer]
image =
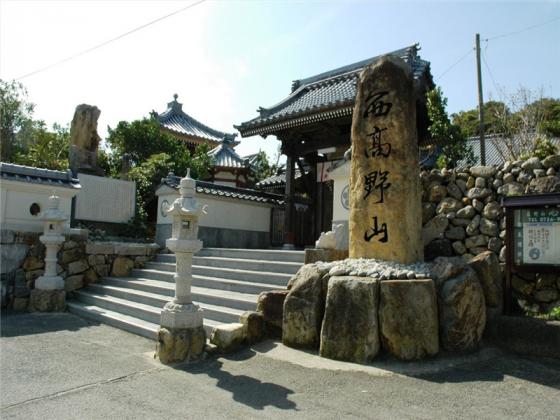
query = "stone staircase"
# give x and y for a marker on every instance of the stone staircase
(226, 282)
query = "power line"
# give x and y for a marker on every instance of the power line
(498, 91)
(64, 60)
(523, 30)
(455, 63)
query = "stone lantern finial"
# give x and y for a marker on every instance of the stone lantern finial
(187, 185)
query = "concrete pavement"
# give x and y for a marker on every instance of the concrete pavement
(61, 366)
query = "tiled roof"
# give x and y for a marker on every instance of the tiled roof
(277, 180)
(13, 172)
(177, 121)
(494, 144)
(209, 188)
(224, 155)
(325, 96)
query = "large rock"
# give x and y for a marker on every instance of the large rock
(511, 189)
(531, 164)
(436, 193)
(434, 229)
(47, 301)
(385, 196)
(84, 140)
(178, 345)
(304, 307)
(444, 268)
(483, 171)
(77, 267)
(487, 267)
(488, 227)
(552, 161)
(271, 305)
(228, 337)
(438, 248)
(448, 205)
(254, 325)
(350, 329)
(492, 210)
(408, 318)
(547, 184)
(33, 263)
(462, 312)
(122, 266)
(11, 256)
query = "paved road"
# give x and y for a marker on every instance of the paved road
(58, 366)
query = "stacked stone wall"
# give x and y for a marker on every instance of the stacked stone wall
(462, 215)
(80, 262)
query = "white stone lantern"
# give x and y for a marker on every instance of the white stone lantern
(182, 313)
(54, 220)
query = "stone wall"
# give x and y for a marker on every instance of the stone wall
(80, 262)
(462, 215)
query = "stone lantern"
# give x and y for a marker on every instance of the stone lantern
(181, 336)
(49, 294)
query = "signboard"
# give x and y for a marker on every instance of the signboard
(105, 199)
(536, 234)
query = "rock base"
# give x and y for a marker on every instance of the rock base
(326, 255)
(180, 344)
(47, 301)
(229, 337)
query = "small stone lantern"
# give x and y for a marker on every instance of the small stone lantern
(181, 336)
(49, 294)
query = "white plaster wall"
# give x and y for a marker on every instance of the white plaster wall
(223, 212)
(341, 178)
(17, 197)
(225, 175)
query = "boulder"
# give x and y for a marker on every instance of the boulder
(11, 256)
(95, 248)
(511, 189)
(228, 337)
(547, 184)
(436, 193)
(473, 225)
(448, 205)
(488, 227)
(70, 255)
(178, 345)
(531, 164)
(492, 210)
(462, 312)
(467, 212)
(454, 190)
(271, 306)
(77, 267)
(33, 263)
(350, 329)
(455, 233)
(254, 325)
(304, 308)
(408, 318)
(444, 268)
(122, 266)
(74, 282)
(478, 193)
(428, 211)
(438, 248)
(552, 161)
(483, 171)
(459, 247)
(476, 241)
(47, 301)
(434, 229)
(480, 182)
(487, 268)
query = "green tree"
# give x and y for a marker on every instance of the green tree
(45, 149)
(445, 135)
(262, 167)
(15, 116)
(468, 120)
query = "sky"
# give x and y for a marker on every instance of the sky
(226, 58)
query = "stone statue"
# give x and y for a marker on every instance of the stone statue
(84, 140)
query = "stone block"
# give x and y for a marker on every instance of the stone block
(74, 282)
(71, 255)
(30, 276)
(327, 255)
(271, 305)
(487, 268)
(90, 276)
(434, 229)
(483, 171)
(444, 268)
(122, 266)
(94, 260)
(47, 301)
(102, 270)
(77, 267)
(385, 220)
(254, 325)
(33, 263)
(228, 337)
(408, 318)
(70, 244)
(462, 312)
(304, 307)
(179, 345)
(94, 248)
(20, 304)
(350, 330)
(130, 249)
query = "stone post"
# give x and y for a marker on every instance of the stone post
(48, 294)
(385, 197)
(181, 336)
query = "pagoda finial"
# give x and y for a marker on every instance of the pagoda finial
(175, 96)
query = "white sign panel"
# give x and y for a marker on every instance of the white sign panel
(541, 243)
(105, 199)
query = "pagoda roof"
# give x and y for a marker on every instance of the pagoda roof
(325, 96)
(30, 174)
(225, 156)
(178, 122)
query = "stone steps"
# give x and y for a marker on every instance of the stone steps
(225, 284)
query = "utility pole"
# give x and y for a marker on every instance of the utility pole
(480, 104)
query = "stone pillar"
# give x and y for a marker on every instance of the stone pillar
(181, 336)
(289, 233)
(385, 197)
(48, 294)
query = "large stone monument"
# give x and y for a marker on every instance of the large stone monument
(84, 140)
(181, 336)
(385, 202)
(48, 294)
